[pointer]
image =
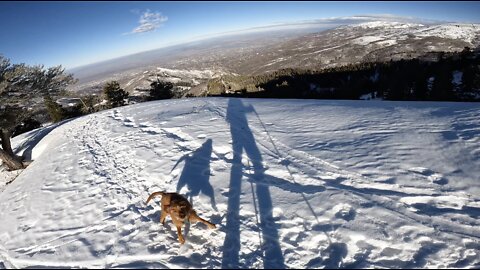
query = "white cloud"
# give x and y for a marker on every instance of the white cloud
(149, 21)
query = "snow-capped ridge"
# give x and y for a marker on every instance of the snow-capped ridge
(395, 30)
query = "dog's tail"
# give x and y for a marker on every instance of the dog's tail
(154, 194)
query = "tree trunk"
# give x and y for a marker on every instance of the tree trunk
(6, 154)
(6, 144)
(11, 162)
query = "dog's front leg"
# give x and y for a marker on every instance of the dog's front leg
(178, 223)
(180, 236)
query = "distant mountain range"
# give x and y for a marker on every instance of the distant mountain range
(308, 44)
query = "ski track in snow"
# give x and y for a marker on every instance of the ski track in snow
(347, 193)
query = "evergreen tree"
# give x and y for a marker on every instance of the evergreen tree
(161, 90)
(89, 102)
(20, 87)
(25, 126)
(56, 112)
(442, 88)
(468, 78)
(421, 87)
(465, 56)
(114, 94)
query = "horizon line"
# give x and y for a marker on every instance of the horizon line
(278, 25)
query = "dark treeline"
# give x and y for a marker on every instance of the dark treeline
(446, 77)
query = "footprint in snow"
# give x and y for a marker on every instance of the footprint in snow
(345, 211)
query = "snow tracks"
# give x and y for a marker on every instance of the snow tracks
(290, 183)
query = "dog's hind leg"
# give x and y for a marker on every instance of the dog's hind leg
(163, 216)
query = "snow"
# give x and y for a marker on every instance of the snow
(386, 24)
(466, 32)
(6, 177)
(179, 73)
(393, 31)
(374, 77)
(289, 183)
(134, 79)
(457, 77)
(68, 102)
(430, 82)
(370, 96)
(388, 42)
(366, 40)
(280, 59)
(324, 49)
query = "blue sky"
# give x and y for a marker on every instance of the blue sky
(78, 33)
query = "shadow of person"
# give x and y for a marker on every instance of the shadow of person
(243, 140)
(196, 173)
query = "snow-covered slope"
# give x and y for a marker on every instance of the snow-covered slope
(465, 32)
(290, 183)
(390, 30)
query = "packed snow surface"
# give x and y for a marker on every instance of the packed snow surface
(289, 183)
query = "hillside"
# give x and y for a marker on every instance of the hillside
(309, 45)
(289, 183)
(343, 45)
(447, 77)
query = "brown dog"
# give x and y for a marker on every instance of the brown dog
(180, 210)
